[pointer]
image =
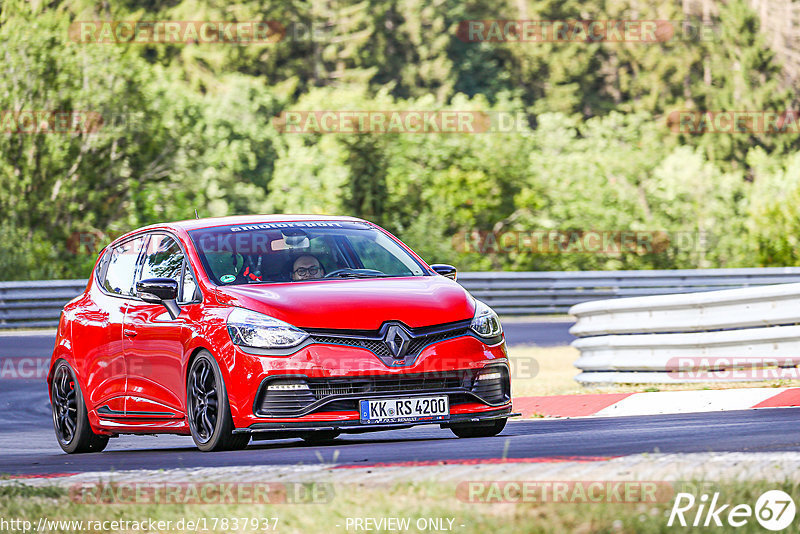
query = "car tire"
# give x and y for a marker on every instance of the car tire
(479, 430)
(320, 437)
(70, 418)
(208, 409)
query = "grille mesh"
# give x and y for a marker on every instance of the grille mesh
(377, 346)
(324, 387)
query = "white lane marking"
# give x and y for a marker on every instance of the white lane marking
(666, 402)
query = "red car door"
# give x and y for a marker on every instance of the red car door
(97, 330)
(154, 342)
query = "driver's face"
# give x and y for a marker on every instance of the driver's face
(306, 268)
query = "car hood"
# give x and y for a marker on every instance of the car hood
(360, 304)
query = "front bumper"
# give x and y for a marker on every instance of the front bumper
(319, 395)
(339, 365)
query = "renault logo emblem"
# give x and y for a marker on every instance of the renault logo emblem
(397, 340)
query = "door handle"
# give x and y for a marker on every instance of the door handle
(129, 332)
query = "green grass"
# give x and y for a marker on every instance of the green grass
(405, 500)
(18, 489)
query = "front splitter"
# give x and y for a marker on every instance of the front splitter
(355, 426)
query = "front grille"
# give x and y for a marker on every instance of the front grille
(324, 387)
(416, 345)
(377, 346)
(458, 384)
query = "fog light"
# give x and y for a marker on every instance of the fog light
(489, 376)
(286, 385)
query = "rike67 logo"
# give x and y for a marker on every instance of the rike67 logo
(774, 510)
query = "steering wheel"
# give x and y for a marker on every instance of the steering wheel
(336, 273)
(366, 272)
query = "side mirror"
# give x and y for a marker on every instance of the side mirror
(160, 291)
(448, 271)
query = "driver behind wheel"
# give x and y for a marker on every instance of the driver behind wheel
(307, 267)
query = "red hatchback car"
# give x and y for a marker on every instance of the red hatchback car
(269, 327)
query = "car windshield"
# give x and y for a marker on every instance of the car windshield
(300, 251)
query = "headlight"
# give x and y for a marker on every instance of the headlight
(485, 323)
(253, 329)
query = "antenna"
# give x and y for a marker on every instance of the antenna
(196, 216)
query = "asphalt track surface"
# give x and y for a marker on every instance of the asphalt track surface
(28, 445)
(32, 450)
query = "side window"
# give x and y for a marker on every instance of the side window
(100, 271)
(163, 259)
(189, 285)
(122, 267)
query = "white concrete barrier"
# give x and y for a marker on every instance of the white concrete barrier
(737, 335)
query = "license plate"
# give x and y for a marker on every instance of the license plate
(404, 410)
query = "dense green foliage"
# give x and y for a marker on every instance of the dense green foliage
(194, 129)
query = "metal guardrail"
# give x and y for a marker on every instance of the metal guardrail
(39, 303)
(748, 334)
(534, 293)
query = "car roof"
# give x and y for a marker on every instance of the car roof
(210, 222)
